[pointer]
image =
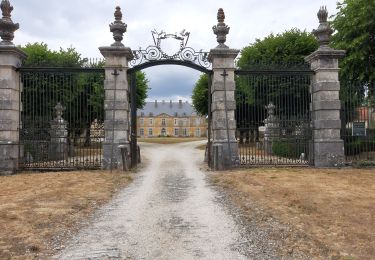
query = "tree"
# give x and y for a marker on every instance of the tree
(200, 95)
(354, 26)
(288, 47)
(39, 55)
(142, 88)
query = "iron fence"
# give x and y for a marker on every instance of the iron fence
(358, 121)
(62, 118)
(273, 115)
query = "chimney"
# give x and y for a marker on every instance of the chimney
(156, 103)
(180, 103)
(170, 103)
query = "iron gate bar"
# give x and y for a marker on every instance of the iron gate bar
(169, 62)
(133, 100)
(274, 72)
(60, 69)
(209, 144)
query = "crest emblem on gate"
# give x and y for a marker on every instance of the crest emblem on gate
(173, 47)
(177, 42)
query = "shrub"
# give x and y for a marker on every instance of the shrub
(290, 148)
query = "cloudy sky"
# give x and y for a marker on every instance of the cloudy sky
(83, 24)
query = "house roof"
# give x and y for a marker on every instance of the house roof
(164, 107)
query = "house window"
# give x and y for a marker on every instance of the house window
(141, 121)
(150, 132)
(141, 132)
(184, 132)
(197, 121)
(163, 122)
(198, 132)
(163, 132)
(151, 121)
(176, 132)
(175, 121)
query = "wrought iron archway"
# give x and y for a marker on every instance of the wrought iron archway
(154, 55)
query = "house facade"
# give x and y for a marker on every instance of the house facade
(175, 119)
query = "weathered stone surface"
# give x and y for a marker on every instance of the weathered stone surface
(329, 153)
(10, 58)
(219, 85)
(326, 104)
(221, 124)
(223, 107)
(327, 148)
(116, 125)
(221, 104)
(325, 86)
(116, 105)
(115, 155)
(327, 124)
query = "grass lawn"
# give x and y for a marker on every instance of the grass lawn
(37, 209)
(333, 209)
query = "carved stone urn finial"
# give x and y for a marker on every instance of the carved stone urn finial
(221, 29)
(59, 109)
(270, 109)
(118, 28)
(7, 27)
(324, 31)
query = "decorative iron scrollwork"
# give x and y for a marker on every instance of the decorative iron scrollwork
(156, 53)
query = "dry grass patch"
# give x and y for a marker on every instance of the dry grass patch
(39, 209)
(170, 140)
(334, 207)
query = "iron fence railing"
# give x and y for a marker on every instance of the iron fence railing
(273, 116)
(358, 121)
(61, 118)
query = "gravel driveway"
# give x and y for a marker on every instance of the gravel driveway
(168, 212)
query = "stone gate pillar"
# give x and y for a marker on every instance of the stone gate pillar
(327, 147)
(116, 103)
(223, 99)
(10, 59)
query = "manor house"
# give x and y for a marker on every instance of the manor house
(177, 119)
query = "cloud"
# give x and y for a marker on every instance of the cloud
(84, 24)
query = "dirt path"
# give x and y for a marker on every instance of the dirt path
(169, 212)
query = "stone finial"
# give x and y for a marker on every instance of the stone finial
(324, 31)
(118, 28)
(7, 27)
(270, 109)
(59, 109)
(221, 29)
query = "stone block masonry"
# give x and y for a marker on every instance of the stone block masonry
(10, 150)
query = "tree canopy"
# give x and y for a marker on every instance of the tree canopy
(290, 46)
(39, 55)
(200, 95)
(354, 26)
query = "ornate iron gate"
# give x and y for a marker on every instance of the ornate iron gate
(154, 55)
(62, 118)
(358, 122)
(272, 113)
